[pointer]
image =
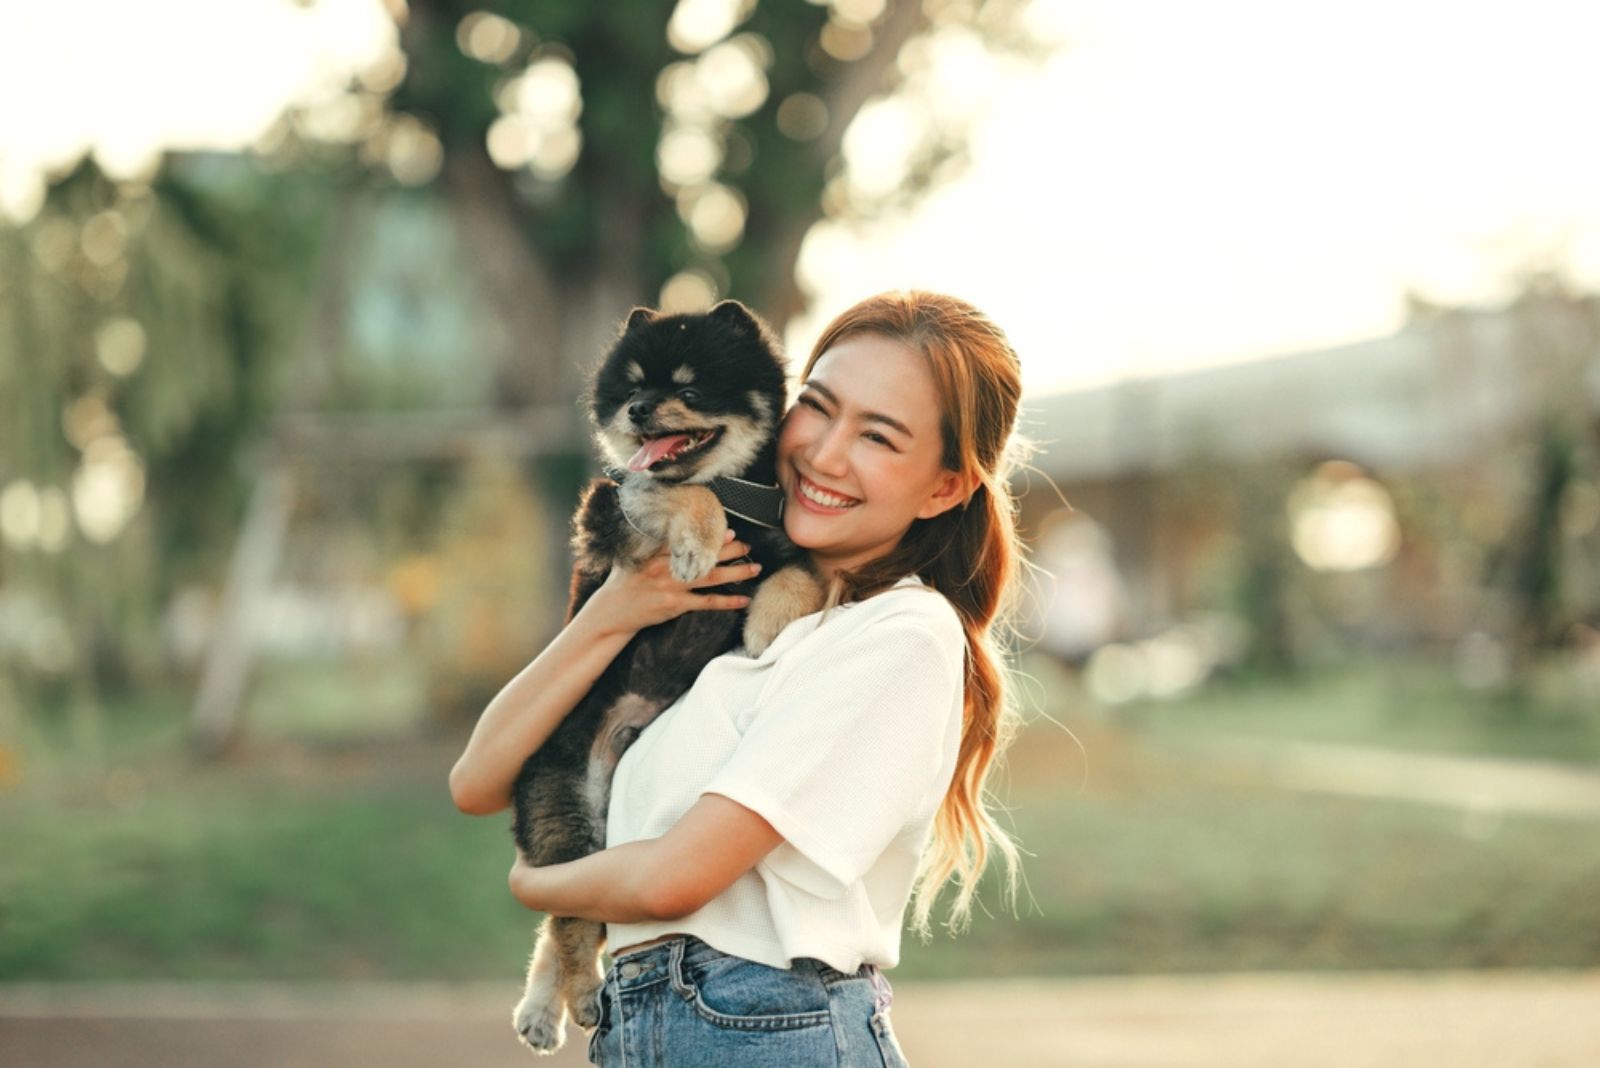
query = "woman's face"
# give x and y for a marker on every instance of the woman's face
(859, 453)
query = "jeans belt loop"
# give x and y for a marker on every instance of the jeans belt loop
(880, 985)
(675, 972)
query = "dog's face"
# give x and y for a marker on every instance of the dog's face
(689, 397)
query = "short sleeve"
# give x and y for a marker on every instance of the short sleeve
(849, 743)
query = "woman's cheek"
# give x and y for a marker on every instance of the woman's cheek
(799, 430)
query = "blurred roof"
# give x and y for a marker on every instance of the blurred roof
(1440, 388)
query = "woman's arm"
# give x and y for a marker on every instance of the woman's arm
(532, 705)
(664, 878)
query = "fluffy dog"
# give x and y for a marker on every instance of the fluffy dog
(685, 407)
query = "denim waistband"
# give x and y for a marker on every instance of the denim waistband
(655, 963)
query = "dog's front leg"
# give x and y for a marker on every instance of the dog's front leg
(786, 595)
(689, 519)
(695, 533)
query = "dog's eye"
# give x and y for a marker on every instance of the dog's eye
(632, 393)
(689, 395)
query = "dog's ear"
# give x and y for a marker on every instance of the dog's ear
(737, 315)
(637, 318)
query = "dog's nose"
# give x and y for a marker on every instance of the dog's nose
(639, 411)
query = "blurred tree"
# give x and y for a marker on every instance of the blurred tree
(1556, 337)
(139, 328)
(601, 156)
(593, 157)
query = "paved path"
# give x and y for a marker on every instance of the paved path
(1452, 1020)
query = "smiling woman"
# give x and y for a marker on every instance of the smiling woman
(768, 830)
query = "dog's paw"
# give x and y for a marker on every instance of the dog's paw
(586, 1011)
(691, 560)
(539, 1021)
(786, 595)
(581, 991)
(759, 630)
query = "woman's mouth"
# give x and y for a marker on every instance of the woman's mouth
(816, 499)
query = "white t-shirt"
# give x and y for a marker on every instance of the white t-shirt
(843, 735)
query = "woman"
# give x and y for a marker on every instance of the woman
(766, 833)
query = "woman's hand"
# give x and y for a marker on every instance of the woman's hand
(525, 712)
(631, 600)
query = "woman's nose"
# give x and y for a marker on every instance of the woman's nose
(830, 450)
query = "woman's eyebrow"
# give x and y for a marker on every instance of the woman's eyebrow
(876, 417)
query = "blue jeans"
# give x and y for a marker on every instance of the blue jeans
(682, 1004)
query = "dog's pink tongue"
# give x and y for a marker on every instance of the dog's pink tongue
(654, 449)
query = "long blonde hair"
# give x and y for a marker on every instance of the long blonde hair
(970, 554)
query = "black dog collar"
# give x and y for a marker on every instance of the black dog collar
(760, 504)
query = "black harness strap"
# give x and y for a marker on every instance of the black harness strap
(758, 503)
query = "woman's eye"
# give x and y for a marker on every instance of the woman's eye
(689, 396)
(809, 403)
(873, 435)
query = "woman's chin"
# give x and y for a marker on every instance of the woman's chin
(811, 531)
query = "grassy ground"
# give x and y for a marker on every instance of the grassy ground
(327, 858)
(1393, 704)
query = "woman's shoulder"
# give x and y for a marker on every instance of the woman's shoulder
(909, 603)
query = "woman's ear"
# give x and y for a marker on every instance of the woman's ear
(954, 488)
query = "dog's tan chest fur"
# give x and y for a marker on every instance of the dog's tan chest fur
(687, 519)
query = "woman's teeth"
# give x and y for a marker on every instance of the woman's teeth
(823, 497)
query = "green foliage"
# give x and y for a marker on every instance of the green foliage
(492, 617)
(210, 272)
(226, 269)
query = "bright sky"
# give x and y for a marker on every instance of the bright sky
(130, 78)
(1193, 183)
(1183, 184)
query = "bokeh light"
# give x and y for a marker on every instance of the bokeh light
(87, 419)
(104, 237)
(688, 291)
(107, 488)
(412, 151)
(846, 40)
(733, 75)
(802, 117)
(547, 91)
(538, 127)
(19, 514)
(715, 214)
(1341, 520)
(688, 155)
(880, 144)
(487, 37)
(698, 24)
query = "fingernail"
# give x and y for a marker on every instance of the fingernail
(755, 567)
(727, 535)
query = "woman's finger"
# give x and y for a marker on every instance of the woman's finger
(732, 551)
(718, 602)
(726, 573)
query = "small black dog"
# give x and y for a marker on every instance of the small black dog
(684, 403)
